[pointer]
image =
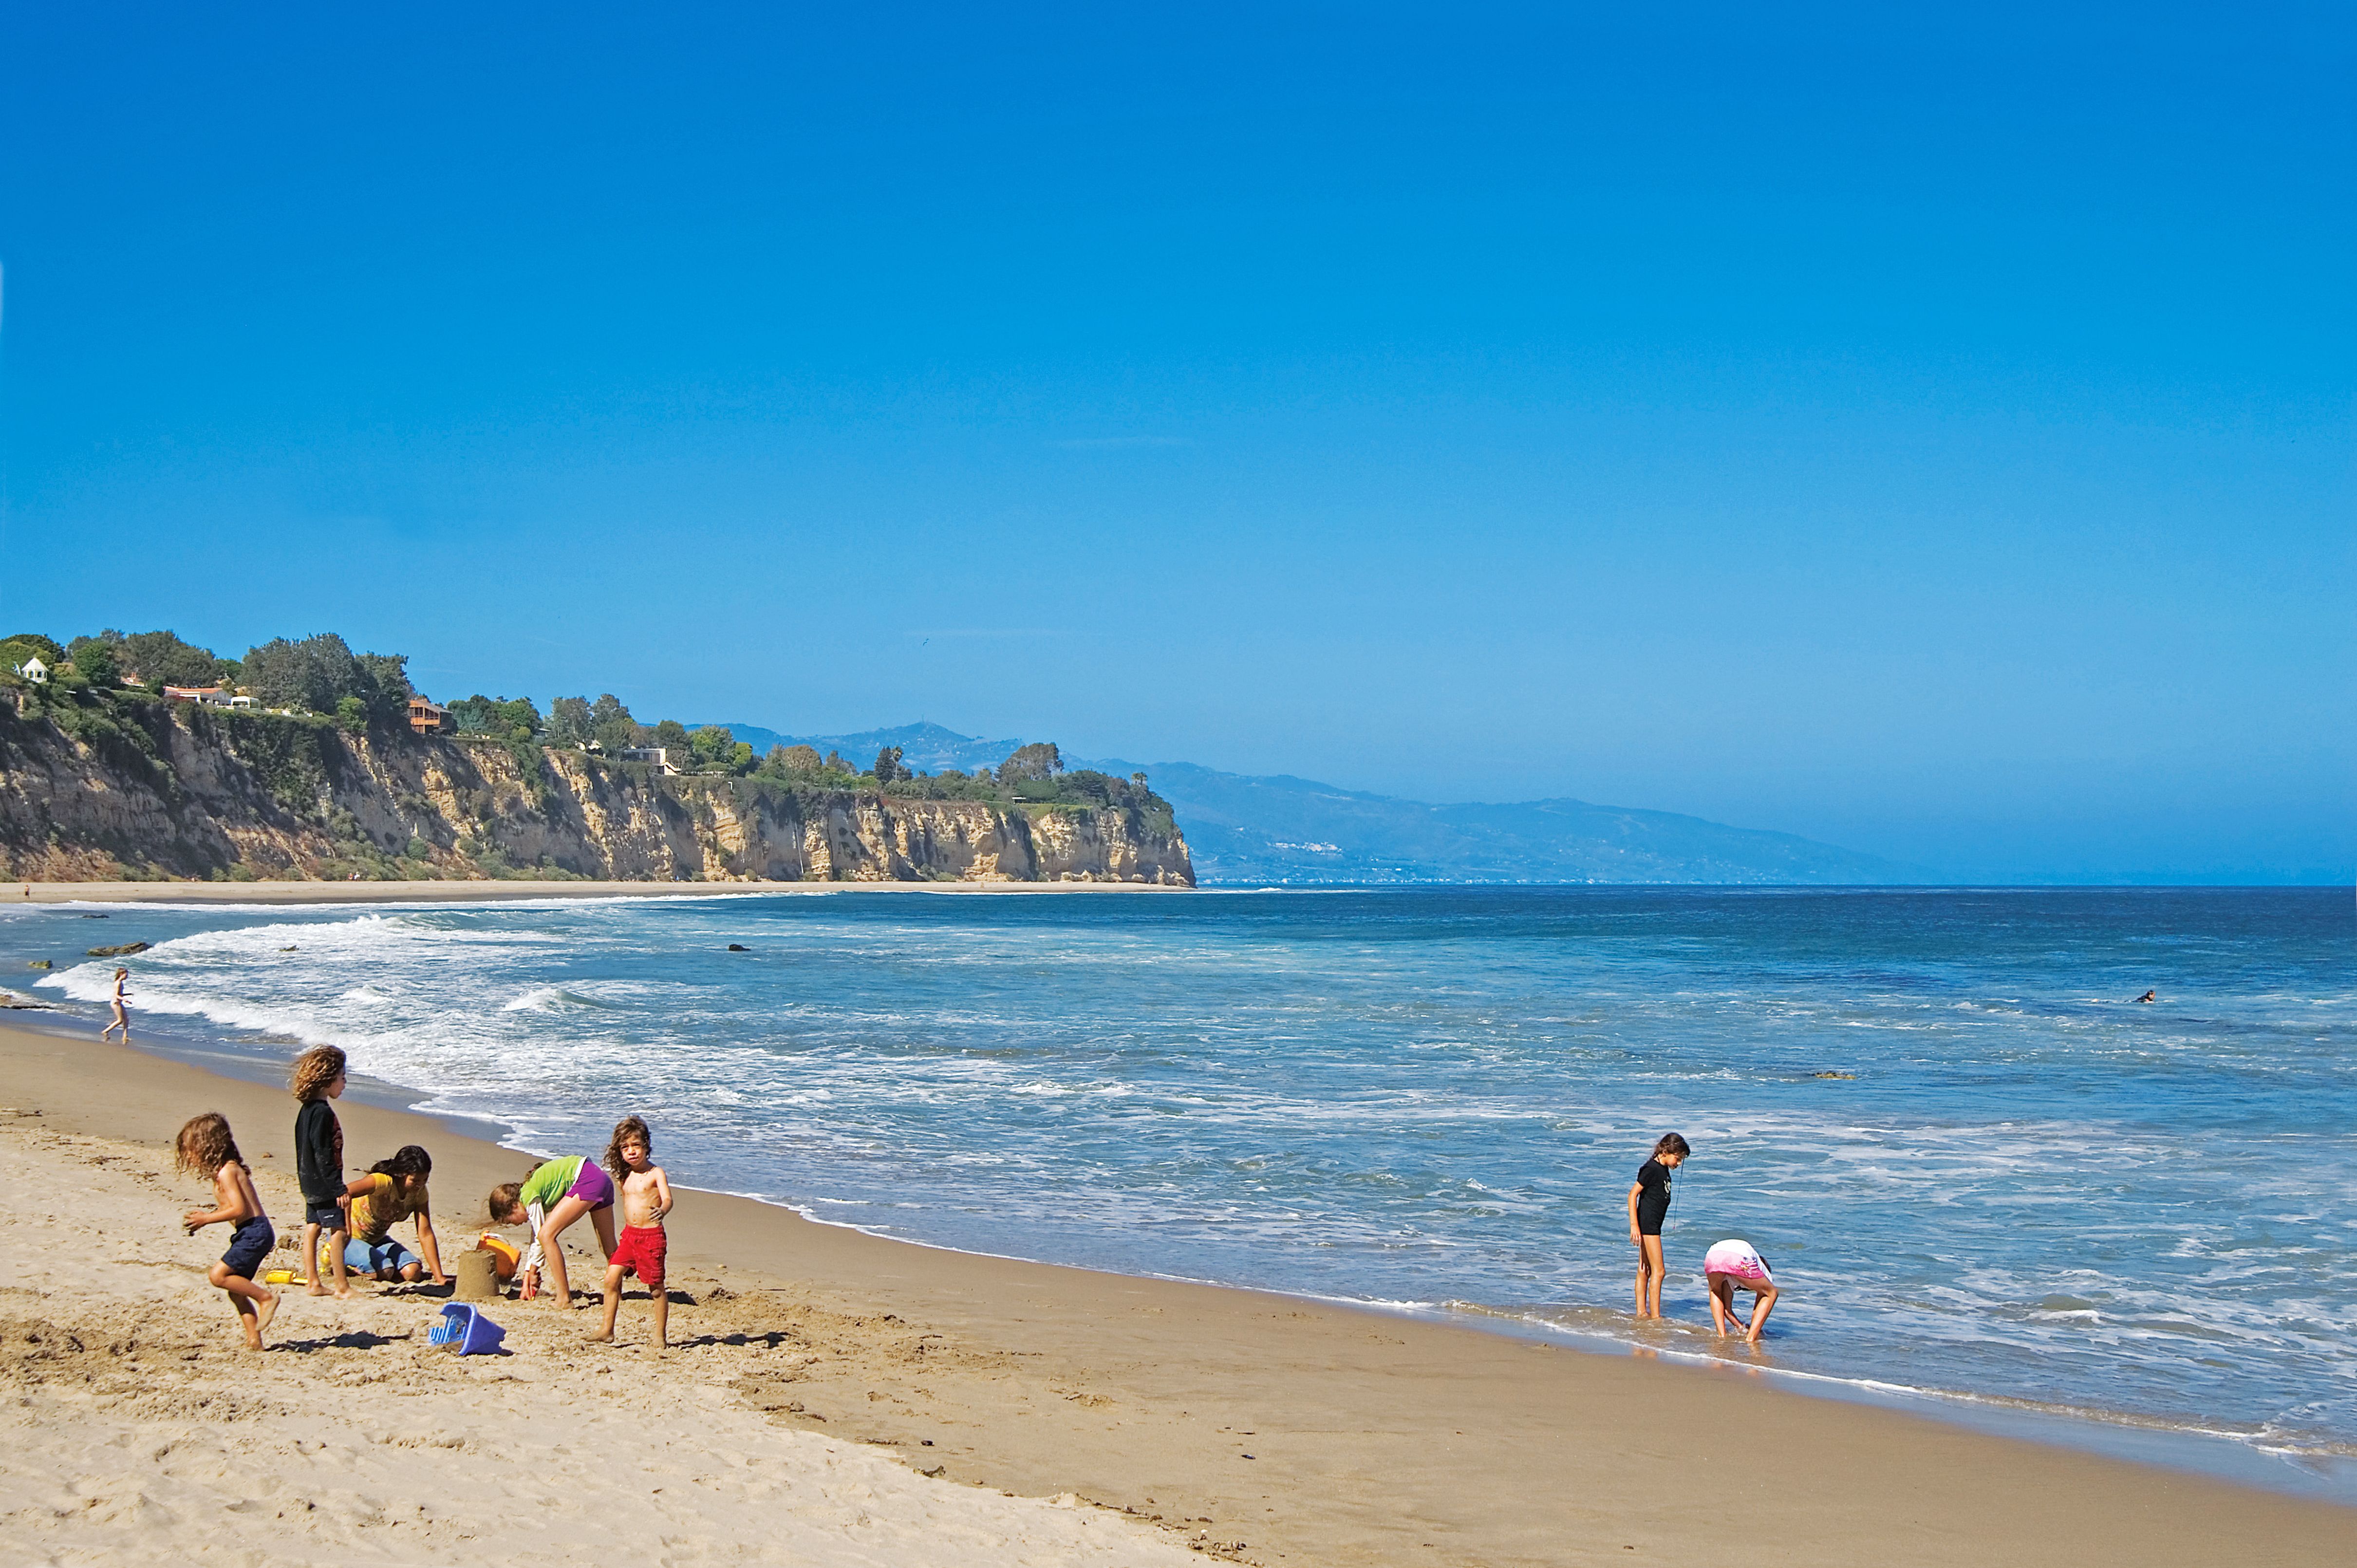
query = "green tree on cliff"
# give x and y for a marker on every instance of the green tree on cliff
(25, 645)
(161, 658)
(569, 723)
(717, 750)
(793, 762)
(506, 718)
(96, 662)
(611, 723)
(312, 675)
(1031, 764)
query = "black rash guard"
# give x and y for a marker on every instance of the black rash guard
(1652, 1197)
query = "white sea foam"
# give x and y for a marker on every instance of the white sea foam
(1209, 1096)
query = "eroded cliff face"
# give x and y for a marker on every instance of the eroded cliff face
(197, 793)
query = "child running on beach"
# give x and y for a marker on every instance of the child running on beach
(206, 1147)
(122, 1019)
(1733, 1265)
(1649, 1205)
(317, 1077)
(646, 1198)
(557, 1193)
(394, 1190)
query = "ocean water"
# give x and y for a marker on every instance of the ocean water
(2034, 1192)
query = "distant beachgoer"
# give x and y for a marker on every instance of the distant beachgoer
(646, 1198)
(1731, 1266)
(121, 1013)
(2148, 996)
(1649, 1205)
(394, 1190)
(206, 1147)
(317, 1077)
(557, 1193)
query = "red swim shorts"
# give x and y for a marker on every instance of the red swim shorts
(642, 1251)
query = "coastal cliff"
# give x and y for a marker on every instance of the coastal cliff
(176, 791)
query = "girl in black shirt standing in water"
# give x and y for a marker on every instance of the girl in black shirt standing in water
(1649, 1205)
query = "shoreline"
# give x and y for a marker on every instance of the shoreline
(462, 892)
(1370, 1432)
(2235, 1458)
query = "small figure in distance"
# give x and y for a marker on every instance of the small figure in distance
(121, 1014)
(1732, 1265)
(646, 1198)
(206, 1147)
(2148, 996)
(1649, 1206)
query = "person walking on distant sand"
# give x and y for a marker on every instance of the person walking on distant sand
(1649, 1206)
(122, 1014)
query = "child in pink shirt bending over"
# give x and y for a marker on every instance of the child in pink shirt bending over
(1736, 1265)
(646, 1198)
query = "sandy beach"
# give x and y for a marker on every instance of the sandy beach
(846, 1398)
(455, 892)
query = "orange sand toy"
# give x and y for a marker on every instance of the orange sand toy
(505, 1255)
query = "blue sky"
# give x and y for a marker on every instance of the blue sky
(1936, 441)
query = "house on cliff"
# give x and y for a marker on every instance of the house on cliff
(658, 754)
(427, 718)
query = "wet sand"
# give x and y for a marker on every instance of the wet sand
(455, 892)
(1269, 1429)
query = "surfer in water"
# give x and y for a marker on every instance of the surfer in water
(2148, 996)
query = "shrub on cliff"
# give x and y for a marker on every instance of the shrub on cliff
(286, 755)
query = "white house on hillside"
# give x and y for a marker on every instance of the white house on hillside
(36, 671)
(658, 754)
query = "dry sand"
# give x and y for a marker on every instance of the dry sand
(818, 1371)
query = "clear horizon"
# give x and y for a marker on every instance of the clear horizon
(1931, 438)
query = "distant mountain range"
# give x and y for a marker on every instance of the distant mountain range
(1250, 830)
(926, 747)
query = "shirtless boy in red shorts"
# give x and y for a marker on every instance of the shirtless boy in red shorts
(646, 1198)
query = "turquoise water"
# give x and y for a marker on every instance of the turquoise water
(2035, 1191)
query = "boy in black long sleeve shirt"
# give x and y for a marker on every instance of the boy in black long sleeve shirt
(317, 1077)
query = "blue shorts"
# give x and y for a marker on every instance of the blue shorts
(363, 1258)
(326, 1214)
(248, 1245)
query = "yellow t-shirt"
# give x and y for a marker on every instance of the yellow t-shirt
(375, 1212)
